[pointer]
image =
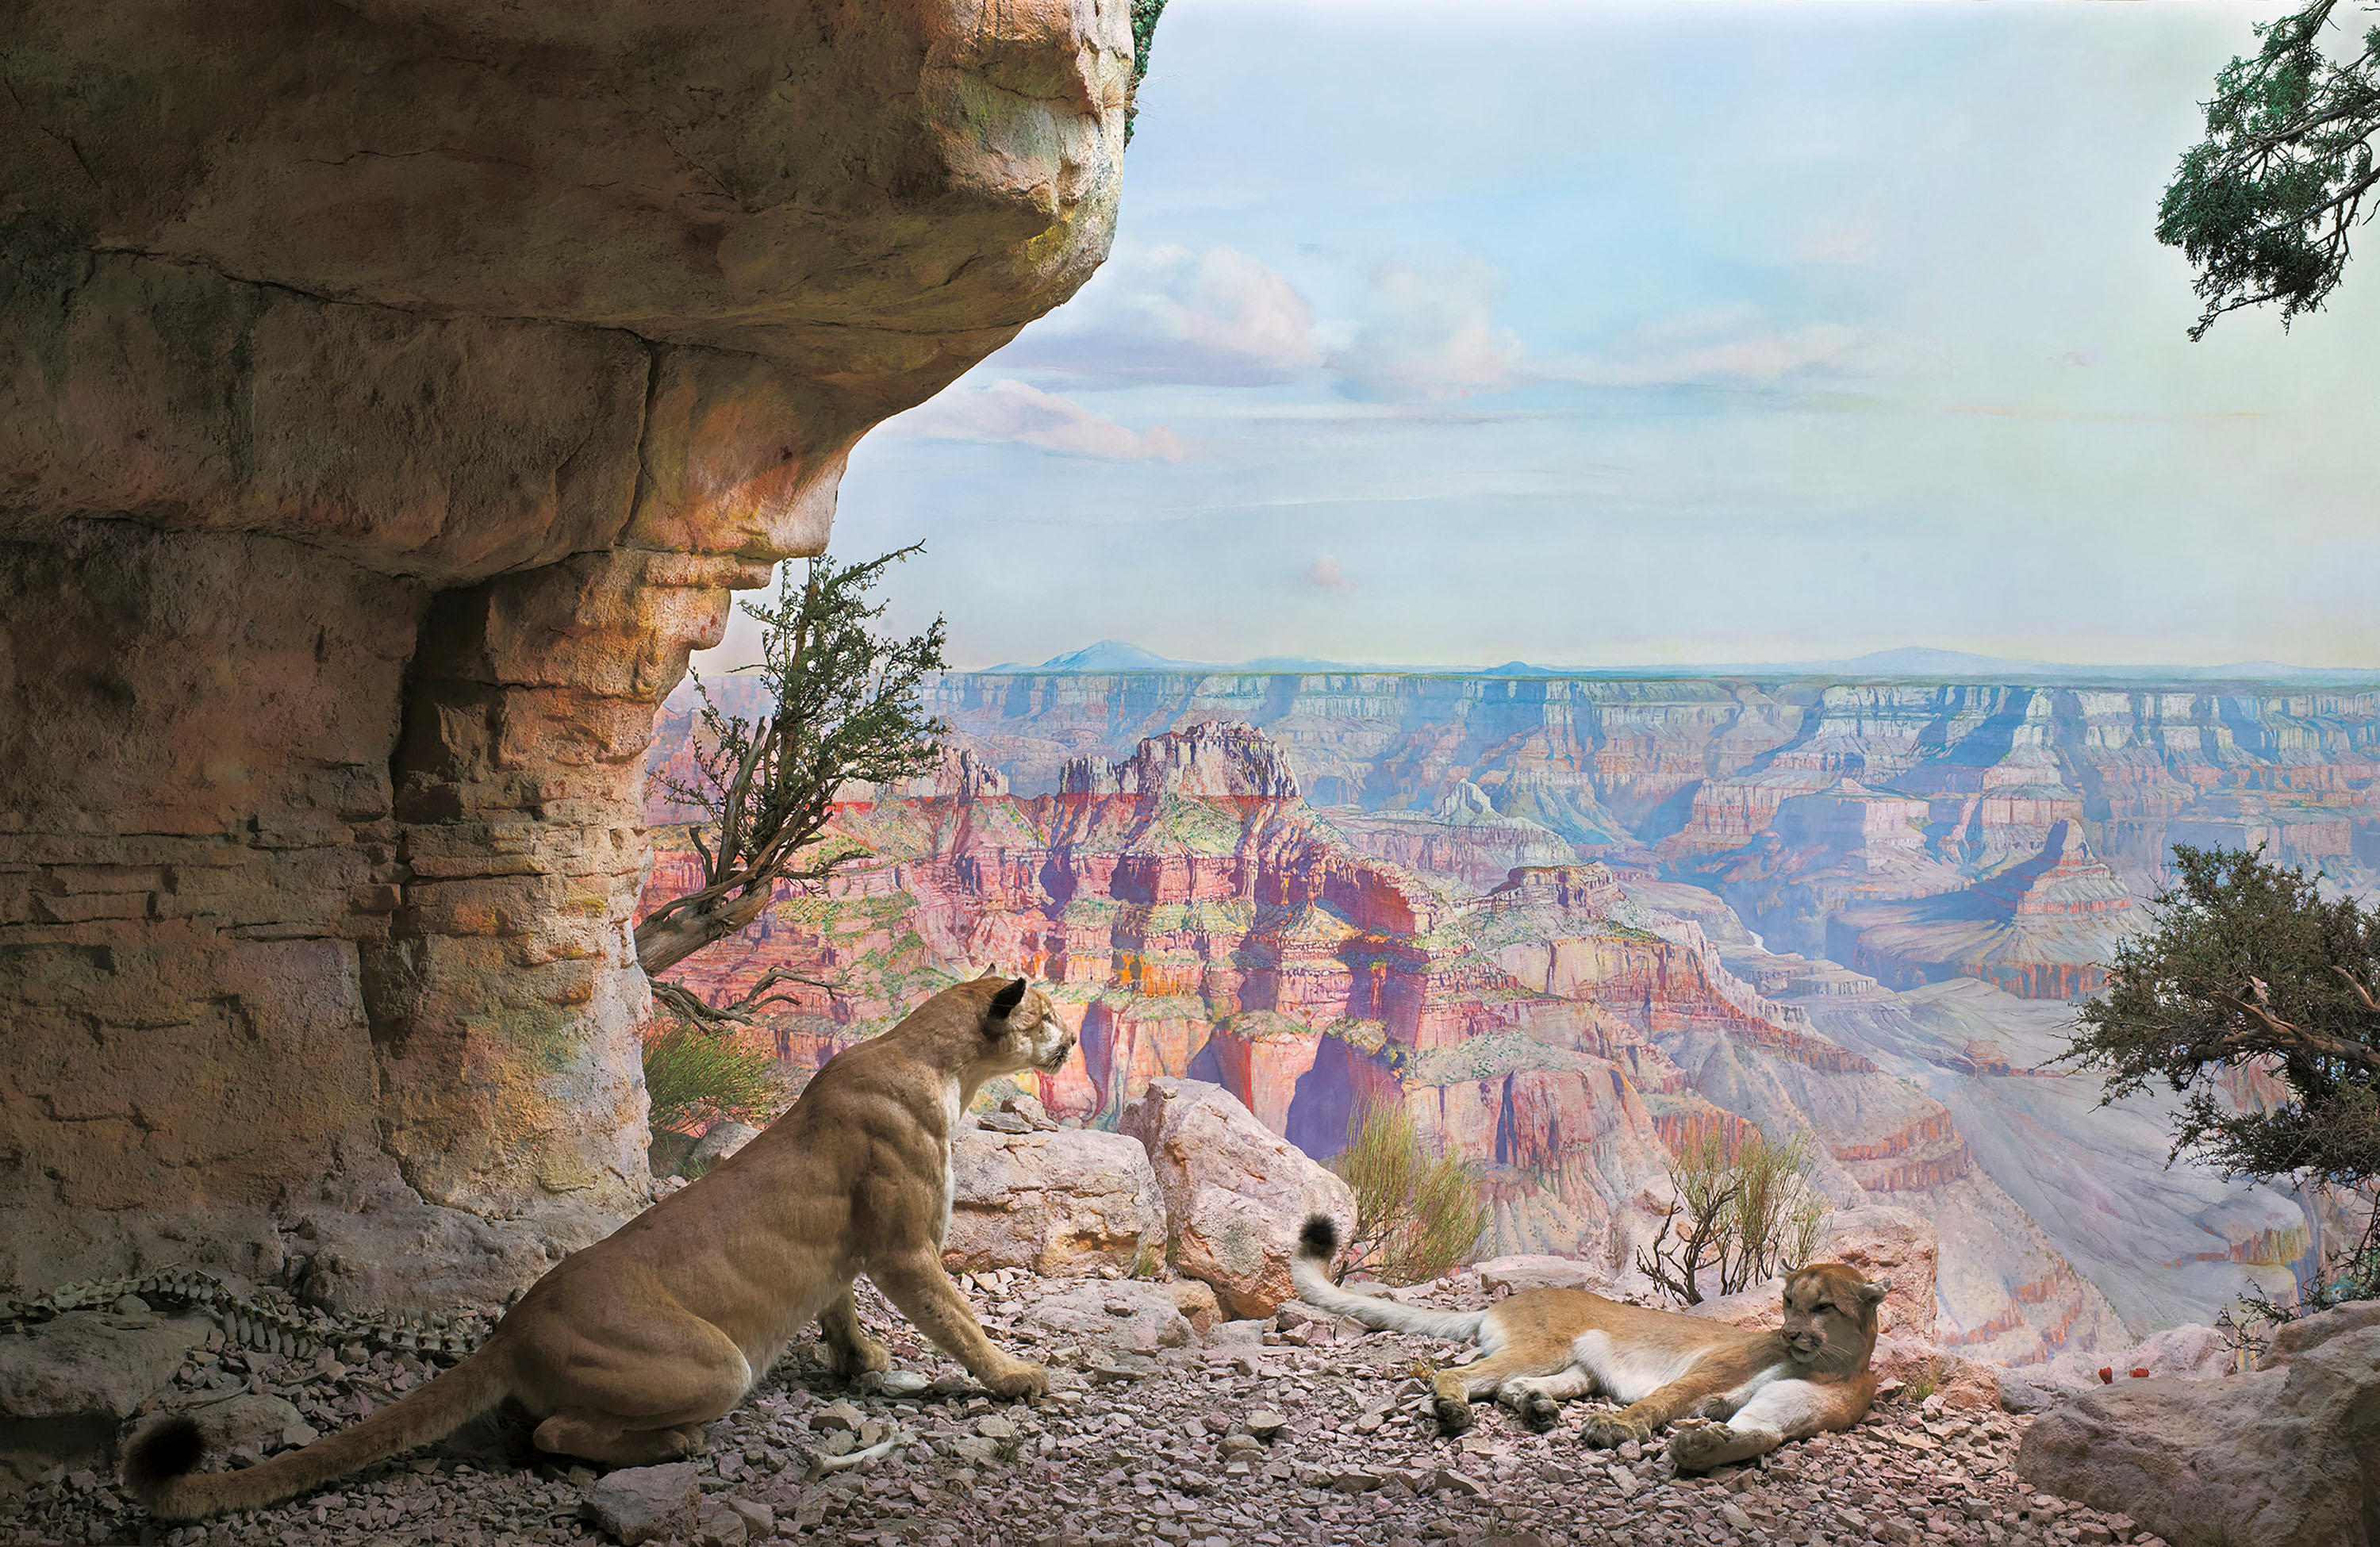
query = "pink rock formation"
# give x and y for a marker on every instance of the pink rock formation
(2045, 928)
(398, 393)
(1236, 1194)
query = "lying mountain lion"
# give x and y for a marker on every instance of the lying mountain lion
(627, 1348)
(1544, 1345)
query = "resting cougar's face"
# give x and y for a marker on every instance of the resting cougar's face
(1830, 1315)
(1025, 1031)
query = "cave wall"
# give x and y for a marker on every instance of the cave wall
(390, 396)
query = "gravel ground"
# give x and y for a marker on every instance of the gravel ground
(1244, 1437)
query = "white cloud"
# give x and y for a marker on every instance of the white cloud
(1010, 410)
(1323, 574)
(1214, 317)
(1432, 334)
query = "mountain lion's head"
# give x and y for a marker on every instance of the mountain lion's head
(1830, 1317)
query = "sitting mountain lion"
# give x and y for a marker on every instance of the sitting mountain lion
(1540, 1346)
(627, 1348)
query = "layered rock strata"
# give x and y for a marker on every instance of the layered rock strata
(395, 396)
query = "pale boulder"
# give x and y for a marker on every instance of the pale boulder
(1895, 1245)
(719, 1141)
(1236, 1194)
(1129, 1314)
(2280, 1458)
(1512, 1274)
(1064, 1203)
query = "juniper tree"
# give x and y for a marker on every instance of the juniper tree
(2264, 206)
(843, 706)
(2249, 965)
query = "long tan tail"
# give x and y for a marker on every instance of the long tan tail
(157, 1463)
(1309, 1269)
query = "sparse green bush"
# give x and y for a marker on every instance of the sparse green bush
(1418, 1215)
(1748, 1215)
(694, 1077)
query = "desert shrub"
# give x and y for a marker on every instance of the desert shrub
(1746, 1214)
(1418, 1214)
(2249, 967)
(694, 1076)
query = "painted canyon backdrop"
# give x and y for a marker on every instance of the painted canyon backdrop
(1574, 921)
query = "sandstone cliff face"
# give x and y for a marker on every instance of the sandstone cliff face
(396, 394)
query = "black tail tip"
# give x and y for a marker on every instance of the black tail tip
(1319, 1240)
(167, 1449)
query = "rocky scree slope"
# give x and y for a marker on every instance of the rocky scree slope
(1290, 1429)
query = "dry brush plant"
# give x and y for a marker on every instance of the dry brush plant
(1749, 1212)
(694, 1075)
(1418, 1213)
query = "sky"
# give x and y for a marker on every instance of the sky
(1608, 336)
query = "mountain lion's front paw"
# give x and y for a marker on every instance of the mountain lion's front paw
(1539, 1412)
(1019, 1381)
(1611, 1431)
(1700, 1448)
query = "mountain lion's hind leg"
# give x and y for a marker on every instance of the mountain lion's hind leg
(634, 1392)
(1452, 1390)
(850, 1351)
(598, 1437)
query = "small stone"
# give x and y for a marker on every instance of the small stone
(897, 1384)
(1355, 1482)
(721, 1526)
(759, 1520)
(1264, 1422)
(638, 1504)
(1462, 1484)
(835, 1417)
(1624, 1479)
(1736, 1518)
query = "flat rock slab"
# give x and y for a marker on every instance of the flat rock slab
(93, 1362)
(1121, 1313)
(67, 1385)
(639, 1504)
(2282, 1457)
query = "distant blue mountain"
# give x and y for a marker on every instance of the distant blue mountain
(1918, 662)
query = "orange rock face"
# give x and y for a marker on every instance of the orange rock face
(398, 393)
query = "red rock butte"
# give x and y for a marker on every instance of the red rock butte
(395, 394)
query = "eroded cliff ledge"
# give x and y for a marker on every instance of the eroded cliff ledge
(391, 396)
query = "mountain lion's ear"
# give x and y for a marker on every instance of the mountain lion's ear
(992, 972)
(1874, 1293)
(1006, 1001)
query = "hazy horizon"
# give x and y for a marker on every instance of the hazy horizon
(1621, 337)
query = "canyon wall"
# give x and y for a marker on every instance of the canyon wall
(1575, 926)
(394, 394)
(1670, 769)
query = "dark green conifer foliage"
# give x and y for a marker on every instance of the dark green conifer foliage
(2264, 206)
(2249, 963)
